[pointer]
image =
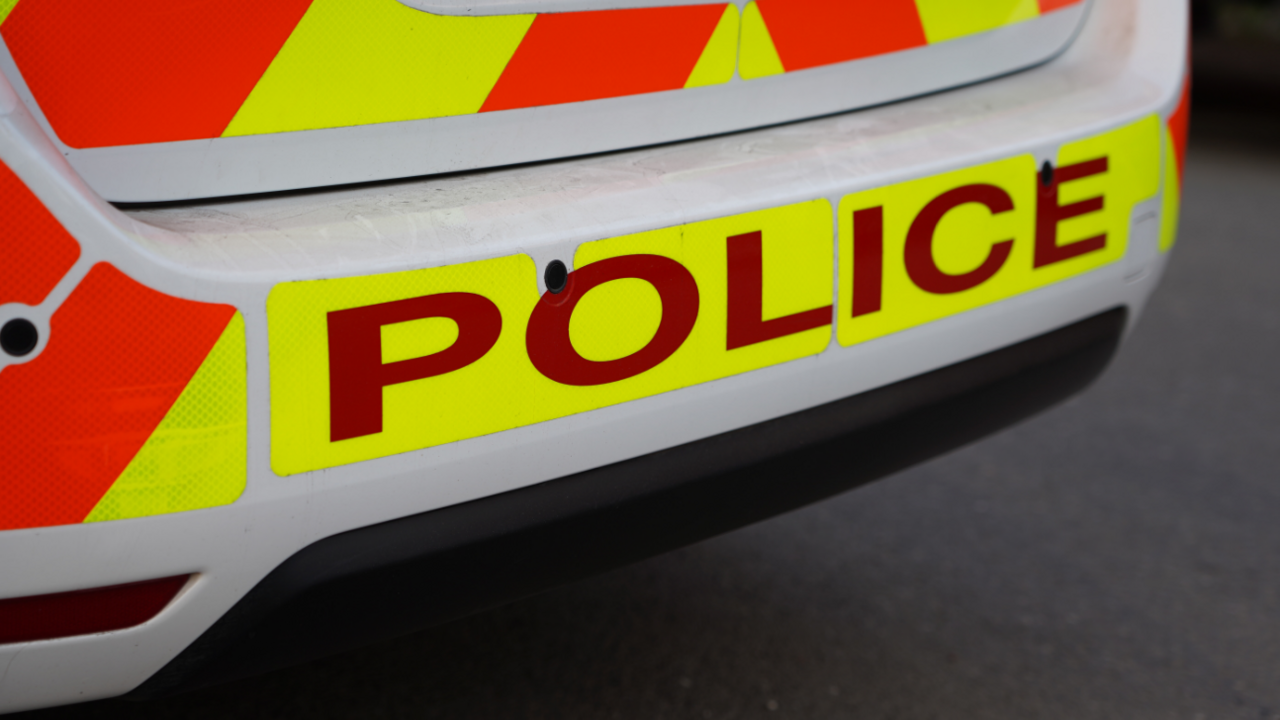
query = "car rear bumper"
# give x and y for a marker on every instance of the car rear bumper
(384, 580)
(1127, 65)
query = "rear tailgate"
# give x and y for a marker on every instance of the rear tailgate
(181, 100)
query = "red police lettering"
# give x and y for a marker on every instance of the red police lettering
(357, 373)
(922, 268)
(746, 325)
(868, 260)
(547, 336)
(1049, 213)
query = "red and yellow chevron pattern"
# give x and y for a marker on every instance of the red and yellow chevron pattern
(137, 403)
(159, 71)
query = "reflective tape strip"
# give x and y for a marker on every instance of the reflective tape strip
(197, 457)
(147, 71)
(370, 366)
(571, 57)
(118, 366)
(630, 330)
(788, 35)
(716, 63)
(809, 33)
(947, 19)
(35, 250)
(757, 53)
(153, 73)
(1171, 200)
(356, 62)
(1079, 222)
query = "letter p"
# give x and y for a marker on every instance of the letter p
(357, 374)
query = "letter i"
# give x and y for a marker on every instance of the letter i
(868, 260)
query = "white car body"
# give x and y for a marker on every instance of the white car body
(1124, 65)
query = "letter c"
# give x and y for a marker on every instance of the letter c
(922, 268)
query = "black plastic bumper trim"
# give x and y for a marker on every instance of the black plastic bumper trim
(403, 575)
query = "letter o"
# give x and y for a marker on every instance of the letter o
(547, 335)
(918, 257)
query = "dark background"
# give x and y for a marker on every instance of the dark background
(1236, 54)
(1118, 556)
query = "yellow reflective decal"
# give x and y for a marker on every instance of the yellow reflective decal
(947, 19)
(6, 7)
(925, 249)
(716, 63)
(758, 57)
(1170, 201)
(358, 62)
(197, 457)
(641, 315)
(372, 366)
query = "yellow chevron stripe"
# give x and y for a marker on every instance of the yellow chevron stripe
(198, 455)
(758, 57)
(358, 62)
(6, 7)
(1170, 201)
(949, 19)
(720, 56)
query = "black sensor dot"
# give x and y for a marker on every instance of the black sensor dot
(19, 337)
(1046, 174)
(555, 276)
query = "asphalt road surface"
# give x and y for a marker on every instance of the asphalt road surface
(1116, 557)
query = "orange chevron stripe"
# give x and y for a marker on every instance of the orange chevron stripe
(1178, 124)
(35, 250)
(1050, 5)
(809, 33)
(119, 355)
(154, 73)
(146, 71)
(571, 57)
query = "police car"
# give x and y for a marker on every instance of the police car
(328, 320)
